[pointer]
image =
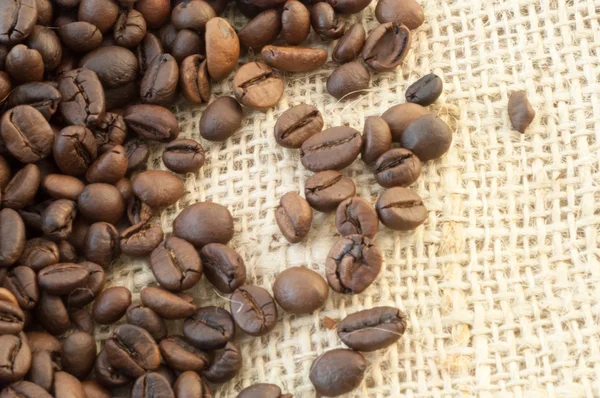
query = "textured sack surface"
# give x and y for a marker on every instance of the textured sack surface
(500, 285)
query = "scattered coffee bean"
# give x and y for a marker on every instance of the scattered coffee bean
(295, 22)
(209, 328)
(80, 36)
(407, 12)
(158, 188)
(167, 305)
(225, 365)
(294, 59)
(326, 22)
(183, 156)
(356, 216)
(16, 357)
(399, 117)
(159, 84)
(12, 318)
(258, 86)
(140, 239)
(426, 90)
(67, 252)
(253, 310)
(373, 329)
(42, 96)
(401, 209)
(299, 290)
(110, 130)
(106, 374)
(22, 188)
(138, 211)
(386, 46)
(221, 119)
(39, 253)
(24, 389)
(93, 389)
(377, 139)
(352, 264)
(176, 265)
(111, 305)
(85, 294)
(5, 85)
(149, 48)
(203, 223)
(83, 97)
(25, 64)
(222, 48)
(75, 150)
(337, 372)
(182, 356)
(297, 124)
(189, 384)
(82, 320)
(397, 167)
(62, 279)
(194, 81)
(262, 390)
(132, 351)
(294, 217)
(155, 12)
(78, 354)
(12, 237)
(192, 14)
(101, 202)
(102, 244)
(350, 45)
(5, 294)
(187, 43)
(331, 149)
(52, 314)
(130, 28)
(324, 191)
(114, 65)
(152, 385)
(17, 20)
(152, 122)
(261, 30)
(348, 80)
(137, 156)
(428, 137)
(147, 319)
(60, 186)
(110, 167)
(520, 111)
(57, 219)
(88, 11)
(223, 267)
(26, 134)
(22, 282)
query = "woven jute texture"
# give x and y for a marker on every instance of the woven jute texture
(501, 285)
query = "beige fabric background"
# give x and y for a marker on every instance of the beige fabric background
(501, 284)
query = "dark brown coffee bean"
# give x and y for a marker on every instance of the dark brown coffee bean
(39, 253)
(348, 80)
(221, 119)
(67, 252)
(401, 209)
(132, 350)
(42, 96)
(337, 372)
(83, 97)
(5, 85)
(52, 314)
(331, 149)
(130, 28)
(12, 237)
(203, 223)
(104, 20)
(122, 96)
(223, 267)
(408, 12)
(295, 22)
(22, 282)
(110, 167)
(428, 137)
(356, 216)
(182, 356)
(294, 59)
(110, 130)
(261, 30)
(82, 320)
(114, 65)
(78, 354)
(294, 217)
(25, 64)
(85, 294)
(148, 49)
(176, 265)
(253, 310)
(93, 389)
(125, 188)
(101, 202)
(258, 86)
(183, 156)
(297, 124)
(15, 357)
(57, 219)
(155, 12)
(78, 233)
(45, 12)
(194, 81)
(147, 319)
(222, 48)
(350, 45)
(62, 279)
(352, 264)
(152, 385)
(66, 385)
(152, 122)
(12, 318)
(386, 46)
(299, 290)
(26, 134)
(399, 117)
(17, 20)
(397, 167)
(43, 366)
(5, 173)
(425, 91)
(262, 390)
(187, 43)
(138, 153)
(324, 191)
(24, 389)
(47, 43)
(326, 22)
(108, 375)
(159, 84)
(158, 188)
(138, 211)
(225, 365)
(60, 186)
(167, 36)
(167, 305)
(192, 14)
(190, 385)
(80, 36)
(75, 150)
(22, 188)
(372, 329)
(102, 244)
(520, 111)
(377, 139)
(209, 328)
(140, 239)
(111, 305)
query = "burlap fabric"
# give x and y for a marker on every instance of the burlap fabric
(501, 284)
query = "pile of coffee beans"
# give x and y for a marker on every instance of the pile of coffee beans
(86, 88)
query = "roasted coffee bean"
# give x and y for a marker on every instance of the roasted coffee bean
(57, 219)
(132, 350)
(80, 36)
(520, 111)
(75, 150)
(78, 354)
(102, 244)
(110, 130)
(225, 365)
(66, 385)
(149, 48)
(130, 28)
(114, 65)
(203, 223)
(158, 188)
(167, 305)
(258, 86)
(223, 267)
(24, 389)
(167, 36)
(261, 30)
(222, 48)
(331, 149)
(5, 85)
(263, 390)
(15, 357)
(152, 122)
(85, 294)
(22, 282)
(183, 156)
(140, 239)
(64, 17)
(122, 96)
(352, 264)
(43, 365)
(294, 59)
(297, 124)
(101, 202)
(83, 97)
(26, 134)
(5, 294)
(155, 12)
(221, 119)
(348, 80)
(399, 117)
(22, 188)
(324, 191)
(67, 252)
(111, 305)
(125, 188)
(79, 230)
(60, 186)
(12, 318)
(182, 356)
(108, 375)
(425, 91)
(40, 341)
(25, 64)
(104, 20)
(152, 385)
(377, 139)
(337, 372)
(218, 6)
(42, 96)
(194, 81)
(386, 46)
(82, 320)
(192, 14)
(408, 12)
(401, 209)
(52, 314)
(299, 290)
(147, 319)
(93, 389)
(138, 153)
(138, 211)
(61, 279)
(110, 167)
(349, 6)
(356, 216)
(397, 167)
(176, 265)
(167, 373)
(187, 43)
(294, 217)
(372, 329)
(209, 328)
(350, 45)
(45, 12)
(190, 385)
(326, 22)
(12, 237)
(159, 84)
(295, 22)
(428, 137)
(253, 310)
(17, 20)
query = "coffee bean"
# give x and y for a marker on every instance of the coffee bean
(189, 384)
(155, 12)
(167, 373)
(12, 237)
(356, 216)
(140, 239)
(397, 167)
(203, 223)
(187, 43)
(75, 150)
(5, 85)
(294, 59)
(83, 97)
(297, 124)
(149, 48)
(253, 310)
(147, 319)
(209, 328)
(294, 217)
(225, 365)
(67, 252)
(110, 167)
(326, 22)
(399, 117)
(42, 96)
(12, 318)
(221, 119)
(110, 130)
(26, 134)
(24, 389)
(520, 111)
(192, 14)
(78, 354)
(22, 282)
(183, 156)
(5, 294)
(152, 122)
(158, 188)
(79, 231)
(182, 356)
(331, 149)
(82, 320)
(138, 211)
(66, 385)
(101, 202)
(25, 64)
(114, 65)
(409, 12)
(349, 6)
(167, 305)
(15, 357)
(80, 36)
(62, 279)
(44, 363)
(348, 80)
(386, 46)
(60, 186)
(132, 350)
(295, 22)
(159, 84)
(52, 314)
(261, 30)
(22, 188)
(108, 375)
(40, 341)
(350, 45)
(95, 281)
(17, 20)
(425, 91)
(176, 265)
(93, 389)
(299, 290)
(88, 12)
(111, 305)
(194, 81)
(130, 28)
(372, 329)
(352, 264)
(337, 372)
(428, 137)
(152, 385)
(258, 86)
(57, 219)
(262, 390)
(102, 244)
(138, 153)
(377, 139)
(401, 209)
(223, 267)
(324, 191)
(222, 48)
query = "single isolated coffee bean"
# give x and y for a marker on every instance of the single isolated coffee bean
(350, 45)
(520, 111)
(39, 253)
(24, 389)
(263, 390)
(167, 305)
(428, 137)
(62, 279)
(348, 80)
(294, 59)
(356, 216)
(377, 139)
(110, 167)
(75, 150)
(386, 46)
(42, 96)
(52, 314)
(101, 202)
(223, 267)
(203, 223)
(225, 364)
(192, 14)
(299, 290)
(401, 209)
(159, 84)
(111, 305)
(82, 320)
(26, 134)
(297, 124)
(158, 188)
(407, 12)
(372, 329)
(102, 244)
(331, 149)
(181, 356)
(294, 217)
(60, 186)
(80, 36)
(258, 86)
(337, 372)
(324, 191)
(183, 156)
(12, 237)
(147, 319)
(130, 28)
(22, 188)
(12, 318)
(84, 295)
(261, 30)
(209, 328)
(83, 97)
(110, 130)
(140, 239)
(426, 90)
(221, 119)
(17, 20)
(78, 354)
(115, 66)
(399, 117)
(138, 153)
(253, 310)
(295, 22)
(132, 351)
(149, 48)
(194, 81)
(187, 43)
(25, 64)
(16, 357)
(152, 122)
(397, 167)
(352, 264)
(222, 48)
(326, 22)
(22, 282)
(190, 384)
(176, 265)
(152, 385)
